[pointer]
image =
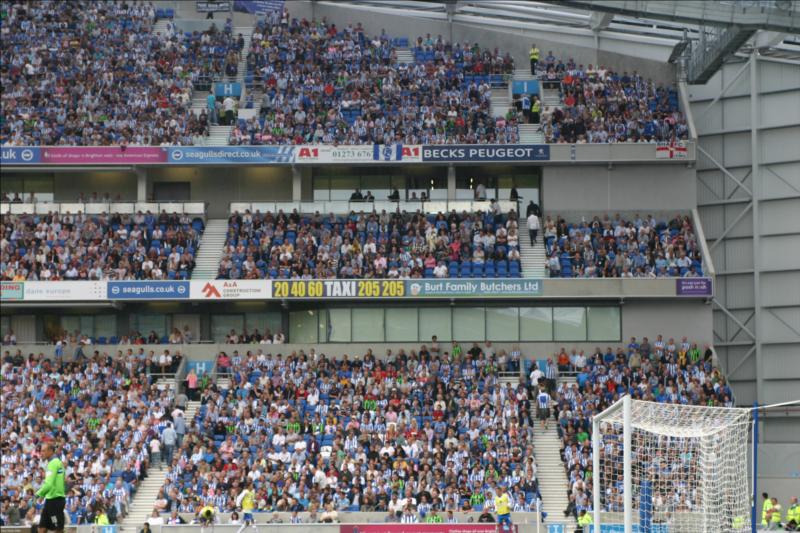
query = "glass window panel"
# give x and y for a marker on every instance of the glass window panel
(502, 323)
(339, 325)
(303, 326)
(570, 323)
(221, 326)
(71, 324)
(39, 184)
(147, 323)
(342, 186)
(322, 188)
(469, 324)
(87, 325)
(264, 322)
(367, 325)
(603, 323)
(106, 326)
(536, 323)
(402, 325)
(435, 321)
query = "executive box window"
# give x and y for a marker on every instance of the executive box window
(464, 324)
(401, 324)
(338, 183)
(603, 323)
(435, 321)
(569, 323)
(536, 324)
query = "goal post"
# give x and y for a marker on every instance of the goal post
(661, 468)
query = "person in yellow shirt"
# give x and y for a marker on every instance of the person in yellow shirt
(247, 501)
(774, 515)
(102, 518)
(534, 55)
(502, 506)
(584, 521)
(793, 513)
(765, 509)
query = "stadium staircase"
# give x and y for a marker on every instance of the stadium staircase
(551, 474)
(500, 102)
(530, 134)
(160, 27)
(524, 73)
(212, 246)
(532, 258)
(405, 55)
(551, 98)
(142, 504)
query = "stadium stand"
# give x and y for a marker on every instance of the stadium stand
(480, 244)
(419, 431)
(611, 247)
(603, 106)
(323, 84)
(664, 371)
(105, 409)
(98, 76)
(65, 246)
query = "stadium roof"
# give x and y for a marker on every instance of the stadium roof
(651, 22)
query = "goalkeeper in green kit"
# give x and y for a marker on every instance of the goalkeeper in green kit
(52, 490)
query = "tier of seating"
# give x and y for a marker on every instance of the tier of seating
(260, 245)
(604, 106)
(323, 84)
(93, 73)
(415, 433)
(606, 247)
(657, 371)
(98, 247)
(100, 414)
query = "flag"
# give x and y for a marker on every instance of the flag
(387, 152)
(670, 151)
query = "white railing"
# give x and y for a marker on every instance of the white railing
(96, 208)
(342, 207)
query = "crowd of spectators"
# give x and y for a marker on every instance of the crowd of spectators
(616, 247)
(371, 245)
(76, 339)
(98, 247)
(255, 337)
(417, 433)
(665, 371)
(324, 84)
(100, 413)
(93, 73)
(604, 106)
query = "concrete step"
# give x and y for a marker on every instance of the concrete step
(211, 248)
(405, 55)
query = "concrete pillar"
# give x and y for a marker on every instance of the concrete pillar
(141, 184)
(451, 182)
(297, 185)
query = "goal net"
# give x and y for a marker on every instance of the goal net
(664, 468)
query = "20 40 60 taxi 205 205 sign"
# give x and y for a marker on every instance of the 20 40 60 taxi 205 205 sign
(339, 288)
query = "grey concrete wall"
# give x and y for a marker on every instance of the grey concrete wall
(669, 318)
(595, 188)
